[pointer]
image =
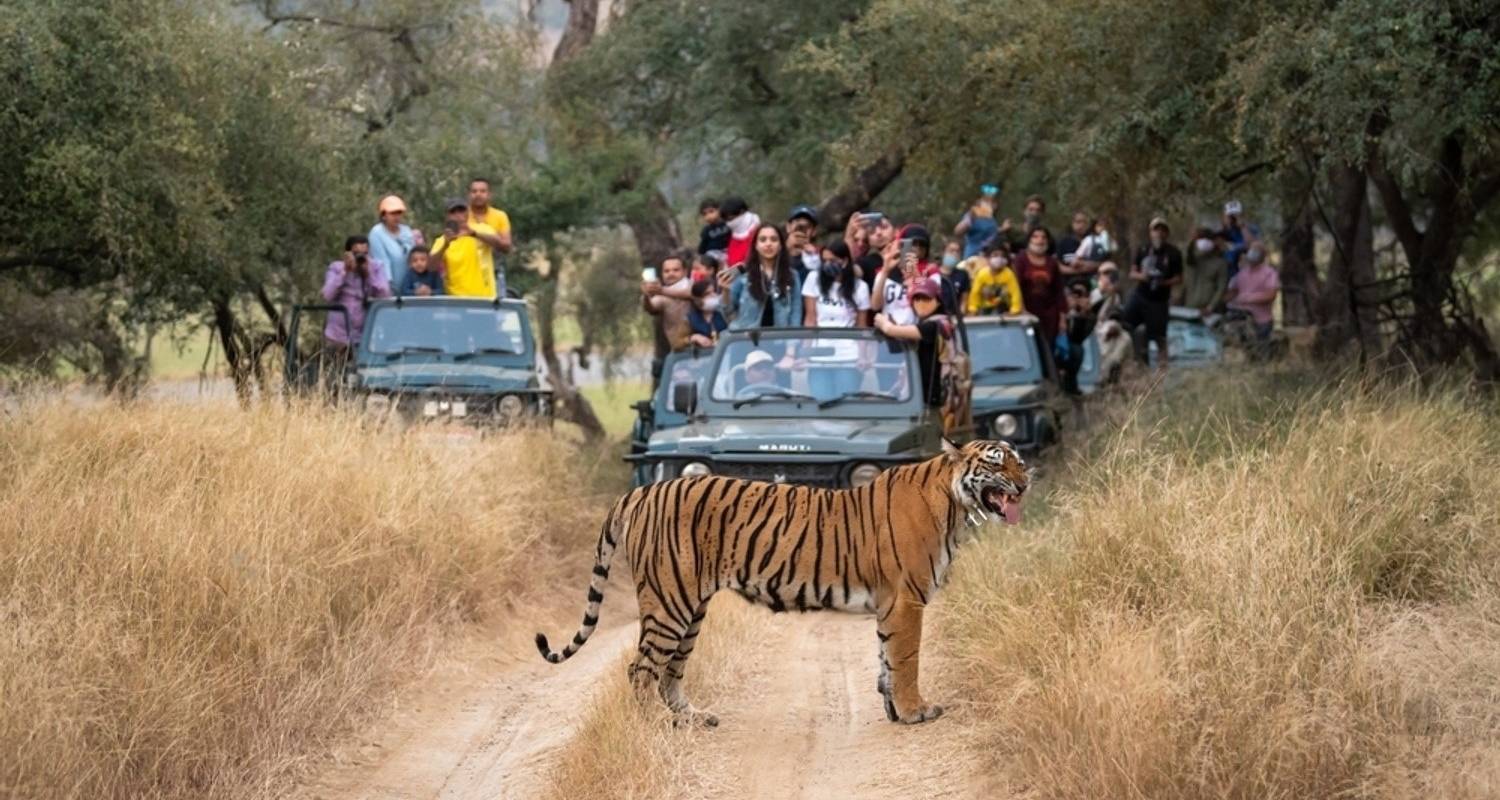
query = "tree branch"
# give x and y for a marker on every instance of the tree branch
(58, 262)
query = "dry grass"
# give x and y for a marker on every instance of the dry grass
(628, 750)
(193, 598)
(1256, 589)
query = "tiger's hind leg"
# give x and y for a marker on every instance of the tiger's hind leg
(671, 682)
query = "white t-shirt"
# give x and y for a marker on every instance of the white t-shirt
(898, 305)
(834, 311)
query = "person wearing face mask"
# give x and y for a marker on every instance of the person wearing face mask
(1158, 267)
(1041, 283)
(762, 292)
(956, 280)
(704, 318)
(995, 289)
(833, 297)
(1205, 270)
(978, 226)
(1031, 219)
(899, 272)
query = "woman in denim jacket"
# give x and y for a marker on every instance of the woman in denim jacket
(764, 292)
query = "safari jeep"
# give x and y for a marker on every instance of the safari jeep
(1016, 397)
(659, 413)
(469, 360)
(818, 406)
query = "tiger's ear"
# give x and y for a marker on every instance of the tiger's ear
(950, 450)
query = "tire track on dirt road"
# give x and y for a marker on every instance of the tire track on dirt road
(483, 726)
(810, 725)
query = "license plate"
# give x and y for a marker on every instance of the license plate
(430, 408)
(460, 409)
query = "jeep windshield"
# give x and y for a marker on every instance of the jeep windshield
(1004, 354)
(839, 368)
(458, 331)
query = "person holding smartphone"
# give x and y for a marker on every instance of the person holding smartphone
(352, 281)
(467, 264)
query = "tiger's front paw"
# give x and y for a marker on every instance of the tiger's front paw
(924, 713)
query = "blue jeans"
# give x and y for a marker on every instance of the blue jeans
(830, 382)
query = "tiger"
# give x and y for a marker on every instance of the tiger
(882, 548)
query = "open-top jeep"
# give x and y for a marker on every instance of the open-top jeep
(470, 360)
(818, 406)
(1016, 397)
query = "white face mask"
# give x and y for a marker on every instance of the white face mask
(812, 260)
(1039, 248)
(997, 261)
(1204, 246)
(711, 304)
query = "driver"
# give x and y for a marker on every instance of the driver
(760, 374)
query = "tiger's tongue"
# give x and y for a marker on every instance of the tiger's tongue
(1012, 511)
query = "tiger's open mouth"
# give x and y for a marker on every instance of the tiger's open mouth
(1007, 506)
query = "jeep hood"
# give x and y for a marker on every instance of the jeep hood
(447, 374)
(842, 438)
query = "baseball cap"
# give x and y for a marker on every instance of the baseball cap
(757, 357)
(803, 211)
(917, 232)
(1158, 222)
(927, 287)
(989, 190)
(391, 203)
(455, 202)
(1233, 208)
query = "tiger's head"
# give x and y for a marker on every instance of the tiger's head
(989, 478)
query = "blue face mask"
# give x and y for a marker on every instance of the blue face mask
(950, 260)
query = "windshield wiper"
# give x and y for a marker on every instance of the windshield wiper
(408, 350)
(488, 351)
(777, 394)
(860, 395)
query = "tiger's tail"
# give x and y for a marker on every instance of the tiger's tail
(605, 554)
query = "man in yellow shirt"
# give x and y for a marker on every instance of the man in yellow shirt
(995, 290)
(480, 213)
(464, 253)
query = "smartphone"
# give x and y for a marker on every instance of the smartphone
(906, 246)
(871, 220)
(451, 227)
(648, 275)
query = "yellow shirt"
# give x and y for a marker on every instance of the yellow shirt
(993, 291)
(469, 264)
(493, 217)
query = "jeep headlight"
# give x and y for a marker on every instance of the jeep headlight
(377, 404)
(863, 474)
(1006, 425)
(510, 407)
(695, 469)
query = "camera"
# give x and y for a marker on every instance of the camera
(360, 259)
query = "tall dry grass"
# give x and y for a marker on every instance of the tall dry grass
(191, 597)
(1257, 588)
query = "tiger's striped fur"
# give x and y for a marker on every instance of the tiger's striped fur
(883, 548)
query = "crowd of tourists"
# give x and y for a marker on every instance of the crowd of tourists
(394, 260)
(748, 272)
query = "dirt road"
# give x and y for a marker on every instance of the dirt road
(806, 723)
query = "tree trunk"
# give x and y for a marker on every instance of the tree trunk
(567, 404)
(1345, 305)
(1300, 288)
(655, 229)
(228, 328)
(860, 191)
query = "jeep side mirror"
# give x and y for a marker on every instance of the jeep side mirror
(685, 398)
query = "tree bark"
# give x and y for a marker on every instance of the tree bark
(860, 191)
(1345, 304)
(655, 229)
(1300, 287)
(567, 403)
(228, 328)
